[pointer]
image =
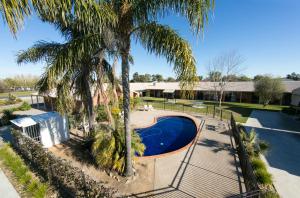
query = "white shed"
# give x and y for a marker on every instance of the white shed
(296, 97)
(48, 128)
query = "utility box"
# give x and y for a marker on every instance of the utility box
(48, 128)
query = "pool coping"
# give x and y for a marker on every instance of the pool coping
(198, 128)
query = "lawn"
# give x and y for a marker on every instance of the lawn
(241, 111)
(17, 93)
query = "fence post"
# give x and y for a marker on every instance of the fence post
(183, 108)
(214, 111)
(221, 114)
(206, 110)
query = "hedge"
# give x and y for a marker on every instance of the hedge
(70, 181)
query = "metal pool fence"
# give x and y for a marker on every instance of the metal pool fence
(212, 110)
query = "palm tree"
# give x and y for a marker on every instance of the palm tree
(137, 20)
(72, 66)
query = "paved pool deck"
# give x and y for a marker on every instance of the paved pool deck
(282, 132)
(209, 168)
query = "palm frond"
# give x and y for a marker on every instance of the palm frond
(164, 41)
(196, 11)
(14, 12)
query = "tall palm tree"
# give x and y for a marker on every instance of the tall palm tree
(137, 19)
(72, 66)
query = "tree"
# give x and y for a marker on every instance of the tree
(244, 78)
(157, 77)
(223, 69)
(136, 77)
(268, 89)
(137, 19)
(293, 76)
(170, 79)
(71, 66)
(257, 77)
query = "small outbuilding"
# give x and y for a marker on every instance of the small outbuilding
(48, 128)
(295, 101)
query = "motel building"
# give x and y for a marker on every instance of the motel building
(234, 91)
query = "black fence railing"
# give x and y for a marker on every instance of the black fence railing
(250, 180)
(211, 110)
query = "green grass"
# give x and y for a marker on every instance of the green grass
(17, 93)
(32, 186)
(241, 111)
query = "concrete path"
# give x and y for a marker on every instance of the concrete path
(283, 158)
(209, 168)
(6, 188)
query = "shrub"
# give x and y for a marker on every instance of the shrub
(101, 114)
(7, 116)
(258, 164)
(263, 177)
(12, 97)
(269, 194)
(25, 106)
(109, 147)
(115, 112)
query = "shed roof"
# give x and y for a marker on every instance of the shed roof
(32, 120)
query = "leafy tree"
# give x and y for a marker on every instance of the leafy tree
(200, 78)
(268, 89)
(157, 77)
(244, 78)
(293, 76)
(258, 77)
(109, 147)
(170, 79)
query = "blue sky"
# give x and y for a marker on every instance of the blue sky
(265, 32)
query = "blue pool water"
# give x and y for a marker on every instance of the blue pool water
(168, 134)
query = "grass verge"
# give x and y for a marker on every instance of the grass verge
(31, 185)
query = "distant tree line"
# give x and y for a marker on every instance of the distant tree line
(19, 82)
(150, 78)
(293, 76)
(212, 76)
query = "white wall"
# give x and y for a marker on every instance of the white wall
(54, 131)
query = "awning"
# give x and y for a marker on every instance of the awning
(169, 91)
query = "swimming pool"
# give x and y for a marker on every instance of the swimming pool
(168, 134)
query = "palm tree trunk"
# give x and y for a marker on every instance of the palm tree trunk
(126, 107)
(114, 86)
(90, 106)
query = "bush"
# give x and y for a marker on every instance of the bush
(263, 177)
(258, 164)
(109, 147)
(101, 114)
(25, 106)
(115, 112)
(7, 116)
(14, 163)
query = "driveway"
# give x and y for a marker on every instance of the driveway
(283, 134)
